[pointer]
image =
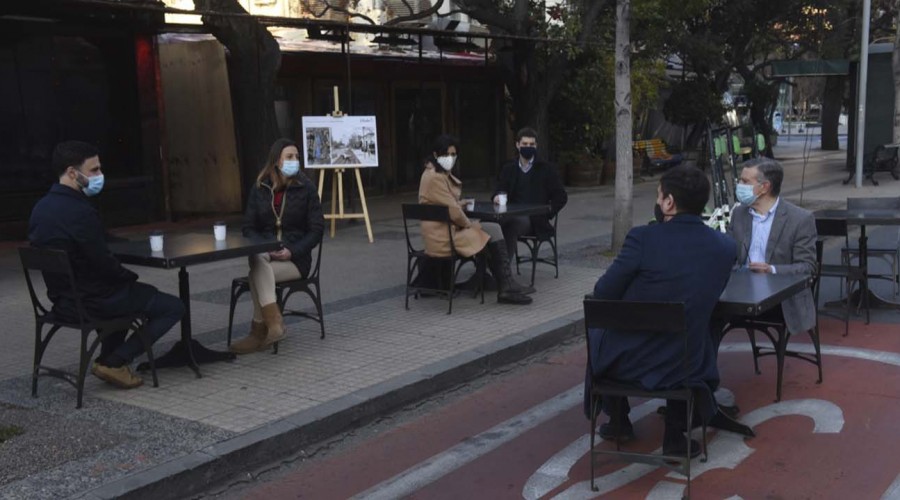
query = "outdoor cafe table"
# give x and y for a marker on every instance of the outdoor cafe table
(487, 211)
(748, 295)
(491, 212)
(862, 218)
(181, 251)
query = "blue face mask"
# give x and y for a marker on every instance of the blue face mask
(290, 168)
(744, 193)
(94, 186)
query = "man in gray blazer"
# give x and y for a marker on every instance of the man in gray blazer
(775, 236)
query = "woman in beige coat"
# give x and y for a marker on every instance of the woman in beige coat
(439, 187)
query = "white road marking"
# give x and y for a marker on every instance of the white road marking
(893, 491)
(888, 358)
(555, 472)
(726, 451)
(453, 458)
(665, 490)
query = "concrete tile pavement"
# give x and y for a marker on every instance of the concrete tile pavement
(375, 357)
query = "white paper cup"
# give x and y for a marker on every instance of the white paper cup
(219, 231)
(156, 242)
(470, 203)
(502, 208)
(501, 199)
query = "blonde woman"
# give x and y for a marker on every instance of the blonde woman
(283, 204)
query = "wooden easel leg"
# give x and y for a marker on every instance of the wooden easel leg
(321, 183)
(362, 199)
(334, 178)
(340, 179)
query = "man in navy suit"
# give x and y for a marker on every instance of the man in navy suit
(679, 259)
(64, 219)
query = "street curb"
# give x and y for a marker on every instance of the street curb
(195, 472)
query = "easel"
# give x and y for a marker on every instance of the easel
(337, 188)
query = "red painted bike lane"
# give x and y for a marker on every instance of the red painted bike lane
(525, 436)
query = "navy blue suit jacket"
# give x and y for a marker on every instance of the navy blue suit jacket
(64, 219)
(681, 260)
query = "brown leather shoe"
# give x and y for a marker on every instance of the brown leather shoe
(121, 377)
(251, 342)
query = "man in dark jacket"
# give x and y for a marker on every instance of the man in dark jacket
(529, 180)
(677, 260)
(64, 219)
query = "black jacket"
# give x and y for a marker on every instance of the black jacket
(302, 223)
(64, 219)
(540, 185)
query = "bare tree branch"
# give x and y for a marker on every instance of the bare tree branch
(329, 6)
(409, 7)
(448, 14)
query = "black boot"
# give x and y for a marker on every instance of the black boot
(675, 442)
(499, 263)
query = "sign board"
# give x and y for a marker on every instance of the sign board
(340, 142)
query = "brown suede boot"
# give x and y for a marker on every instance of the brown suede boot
(251, 342)
(274, 324)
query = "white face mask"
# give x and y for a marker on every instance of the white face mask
(446, 162)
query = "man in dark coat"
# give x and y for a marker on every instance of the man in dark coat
(679, 259)
(64, 219)
(528, 179)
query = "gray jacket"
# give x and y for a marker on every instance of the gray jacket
(791, 249)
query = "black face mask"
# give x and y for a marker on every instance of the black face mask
(658, 214)
(528, 152)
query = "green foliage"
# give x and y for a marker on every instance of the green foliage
(8, 432)
(583, 113)
(693, 101)
(763, 94)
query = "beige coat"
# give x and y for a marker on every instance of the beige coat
(438, 188)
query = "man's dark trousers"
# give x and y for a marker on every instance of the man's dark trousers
(161, 309)
(513, 227)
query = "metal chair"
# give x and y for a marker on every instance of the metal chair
(283, 290)
(56, 262)
(845, 270)
(415, 256)
(663, 318)
(534, 247)
(890, 253)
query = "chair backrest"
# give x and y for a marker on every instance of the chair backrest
(418, 211)
(875, 203)
(314, 273)
(629, 316)
(430, 213)
(46, 261)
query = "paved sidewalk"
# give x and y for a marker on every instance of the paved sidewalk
(170, 441)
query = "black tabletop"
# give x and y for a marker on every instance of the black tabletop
(862, 217)
(750, 294)
(186, 249)
(486, 210)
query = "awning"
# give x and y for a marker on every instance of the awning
(817, 67)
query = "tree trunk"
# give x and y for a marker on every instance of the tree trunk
(831, 111)
(624, 171)
(253, 61)
(895, 60)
